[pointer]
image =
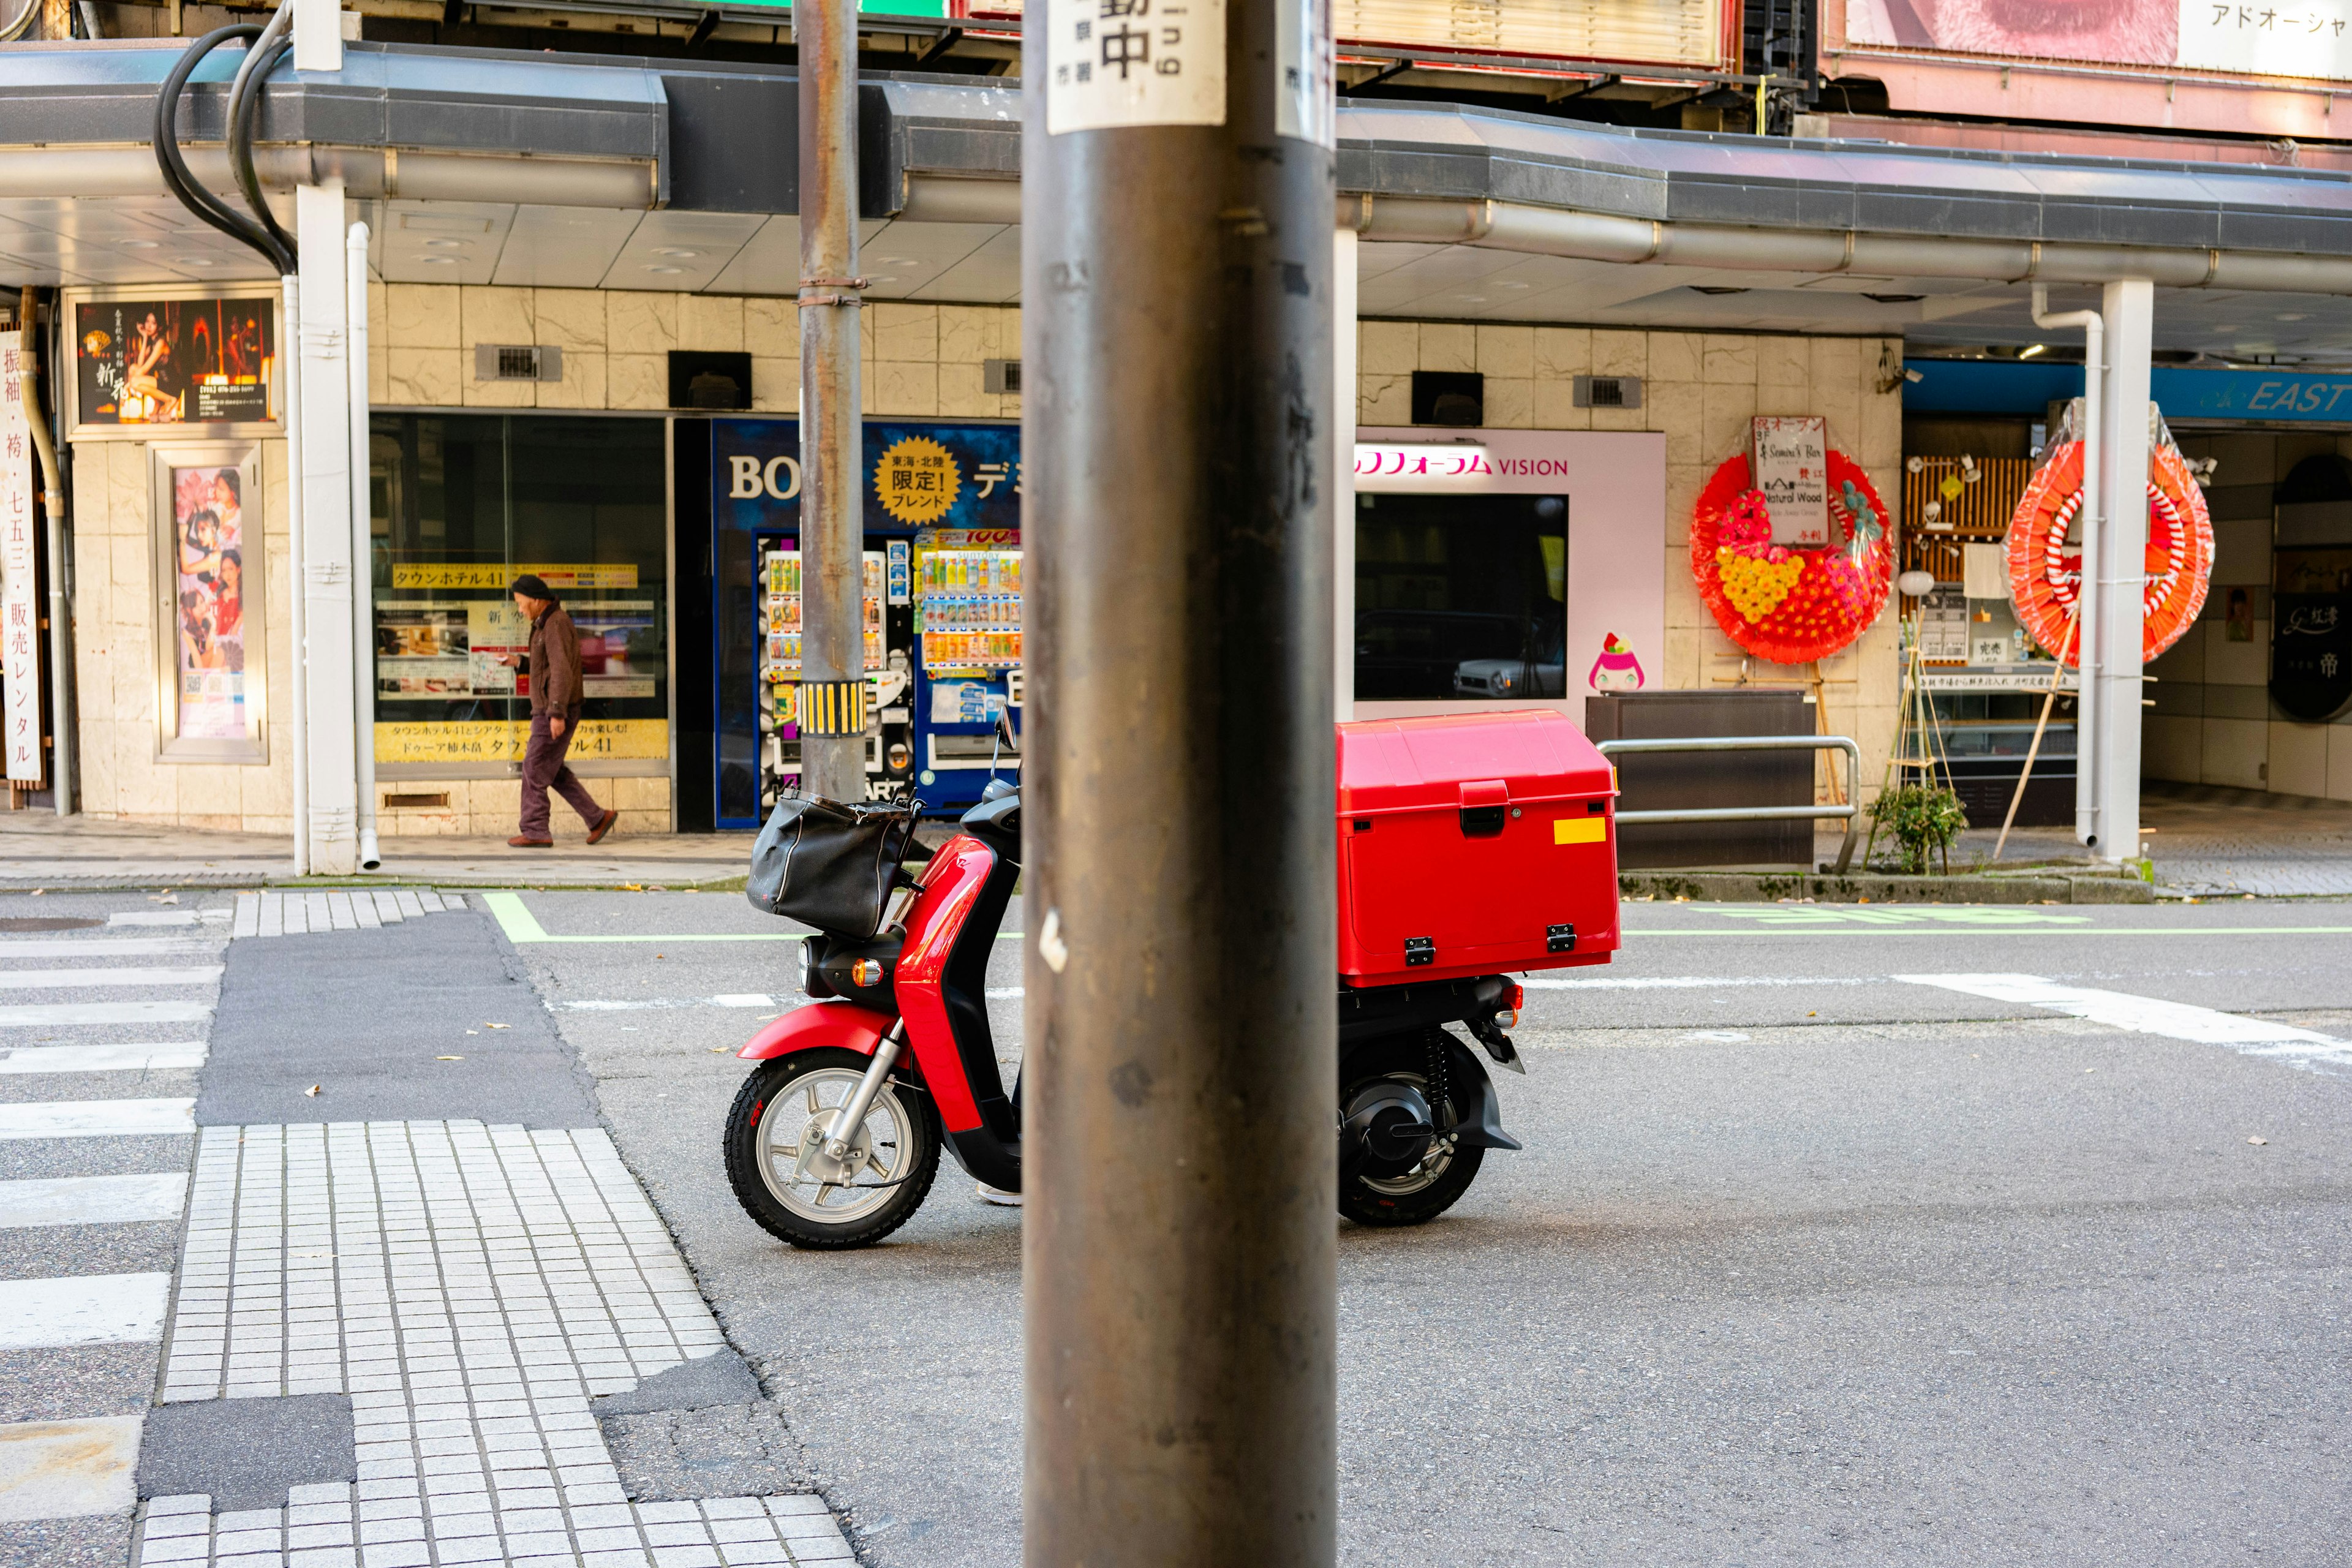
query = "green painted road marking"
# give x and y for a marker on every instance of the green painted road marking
(1973, 915)
(521, 925)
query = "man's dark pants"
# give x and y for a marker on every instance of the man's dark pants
(543, 767)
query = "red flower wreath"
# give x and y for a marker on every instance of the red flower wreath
(1790, 605)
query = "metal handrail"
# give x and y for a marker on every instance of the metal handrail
(1848, 814)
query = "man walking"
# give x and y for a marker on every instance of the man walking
(555, 697)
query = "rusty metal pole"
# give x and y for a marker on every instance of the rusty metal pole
(833, 437)
(1180, 1083)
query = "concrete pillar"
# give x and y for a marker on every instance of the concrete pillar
(1343, 475)
(2119, 574)
(328, 605)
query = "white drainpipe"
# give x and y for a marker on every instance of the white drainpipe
(289, 356)
(2087, 589)
(355, 252)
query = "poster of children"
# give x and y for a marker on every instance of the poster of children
(208, 537)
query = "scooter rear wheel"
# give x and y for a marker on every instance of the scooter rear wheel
(895, 1153)
(1405, 1192)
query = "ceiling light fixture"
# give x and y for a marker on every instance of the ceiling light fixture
(2037, 348)
(666, 271)
(438, 260)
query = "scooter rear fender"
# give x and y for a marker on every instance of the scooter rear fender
(819, 1026)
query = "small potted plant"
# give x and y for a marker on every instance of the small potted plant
(1924, 819)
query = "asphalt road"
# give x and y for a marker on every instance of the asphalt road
(1803, 1262)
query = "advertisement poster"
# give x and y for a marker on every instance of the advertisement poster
(2309, 38)
(454, 650)
(175, 362)
(935, 472)
(208, 619)
(20, 614)
(1791, 461)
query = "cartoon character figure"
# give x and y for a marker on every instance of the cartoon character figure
(1616, 669)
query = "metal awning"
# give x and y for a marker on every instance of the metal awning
(487, 166)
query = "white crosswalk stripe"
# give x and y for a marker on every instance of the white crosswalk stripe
(59, 1015)
(65, 1468)
(358, 908)
(83, 1309)
(103, 1058)
(59, 979)
(104, 947)
(68, 1469)
(92, 1200)
(98, 1119)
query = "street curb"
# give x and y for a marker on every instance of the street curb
(1874, 888)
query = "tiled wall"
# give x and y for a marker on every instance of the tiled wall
(917, 360)
(2213, 721)
(1700, 389)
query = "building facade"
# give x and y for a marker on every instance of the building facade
(580, 328)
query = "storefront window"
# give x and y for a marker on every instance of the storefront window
(463, 504)
(1460, 597)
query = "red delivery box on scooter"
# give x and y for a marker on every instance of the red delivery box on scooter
(1473, 843)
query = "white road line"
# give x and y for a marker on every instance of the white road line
(93, 1200)
(733, 999)
(1693, 982)
(51, 1013)
(103, 1058)
(249, 916)
(83, 1309)
(102, 947)
(2148, 1016)
(98, 1119)
(68, 1469)
(58, 979)
(154, 918)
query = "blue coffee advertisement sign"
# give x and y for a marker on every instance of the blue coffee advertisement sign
(918, 474)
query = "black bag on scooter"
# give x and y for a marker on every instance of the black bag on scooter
(829, 865)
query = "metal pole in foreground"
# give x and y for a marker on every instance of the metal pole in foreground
(833, 526)
(1180, 1084)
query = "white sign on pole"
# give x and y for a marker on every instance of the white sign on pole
(1307, 101)
(1793, 469)
(20, 614)
(1110, 63)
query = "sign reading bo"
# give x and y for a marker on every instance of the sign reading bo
(932, 475)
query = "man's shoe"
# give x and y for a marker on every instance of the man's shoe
(524, 841)
(596, 835)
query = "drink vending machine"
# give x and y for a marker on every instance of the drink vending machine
(888, 746)
(966, 622)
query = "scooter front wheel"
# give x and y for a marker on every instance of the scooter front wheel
(777, 1158)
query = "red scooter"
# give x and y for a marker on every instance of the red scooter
(835, 1137)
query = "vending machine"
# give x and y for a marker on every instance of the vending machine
(967, 684)
(889, 664)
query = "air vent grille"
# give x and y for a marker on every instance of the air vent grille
(518, 362)
(1608, 392)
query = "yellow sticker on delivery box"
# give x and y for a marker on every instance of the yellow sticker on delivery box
(1580, 830)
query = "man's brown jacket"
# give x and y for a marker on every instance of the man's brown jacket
(554, 663)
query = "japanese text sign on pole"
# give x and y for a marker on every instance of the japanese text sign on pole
(20, 620)
(1134, 62)
(1793, 469)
